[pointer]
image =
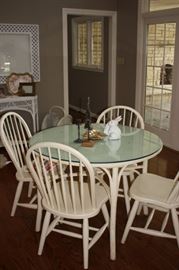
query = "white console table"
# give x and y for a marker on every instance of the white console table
(24, 103)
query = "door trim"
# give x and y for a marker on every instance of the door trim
(169, 138)
(112, 56)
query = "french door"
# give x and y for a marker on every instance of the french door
(160, 77)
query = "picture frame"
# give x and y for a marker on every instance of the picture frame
(27, 89)
(14, 79)
(19, 50)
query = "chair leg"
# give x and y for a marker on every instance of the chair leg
(30, 188)
(126, 189)
(131, 176)
(44, 232)
(39, 212)
(175, 223)
(17, 197)
(105, 213)
(130, 221)
(139, 209)
(145, 209)
(85, 242)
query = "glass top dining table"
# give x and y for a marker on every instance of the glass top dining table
(135, 145)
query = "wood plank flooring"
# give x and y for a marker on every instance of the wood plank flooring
(19, 242)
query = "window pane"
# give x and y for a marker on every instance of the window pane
(160, 34)
(170, 33)
(96, 52)
(148, 97)
(159, 55)
(150, 76)
(166, 100)
(155, 118)
(165, 120)
(82, 53)
(157, 72)
(148, 115)
(166, 75)
(157, 98)
(169, 55)
(151, 34)
(150, 56)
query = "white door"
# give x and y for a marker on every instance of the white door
(160, 78)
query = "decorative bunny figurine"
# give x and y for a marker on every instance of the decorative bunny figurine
(112, 130)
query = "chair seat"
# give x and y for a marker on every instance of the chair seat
(152, 189)
(24, 175)
(158, 193)
(86, 210)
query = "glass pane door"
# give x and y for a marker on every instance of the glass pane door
(160, 49)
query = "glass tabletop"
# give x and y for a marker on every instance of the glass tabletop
(134, 144)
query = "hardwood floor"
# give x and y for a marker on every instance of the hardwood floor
(19, 242)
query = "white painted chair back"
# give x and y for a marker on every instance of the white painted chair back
(66, 120)
(130, 117)
(15, 134)
(66, 181)
(62, 190)
(53, 116)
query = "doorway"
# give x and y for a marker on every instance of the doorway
(157, 80)
(112, 17)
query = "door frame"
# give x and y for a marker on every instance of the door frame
(169, 138)
(112, 55)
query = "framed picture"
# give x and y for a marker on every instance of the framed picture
(27, 89)
(19, 50)
(14, 79)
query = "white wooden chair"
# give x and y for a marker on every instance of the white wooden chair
(68, 195)
(15, 134)
(55, 116)
(158, 193)
(131, 118)
(65, 120)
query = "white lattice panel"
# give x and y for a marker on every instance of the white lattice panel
(33, 31)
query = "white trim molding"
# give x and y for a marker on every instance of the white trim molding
(112, 56)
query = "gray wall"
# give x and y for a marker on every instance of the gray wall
(126, 52)
(48, 14)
